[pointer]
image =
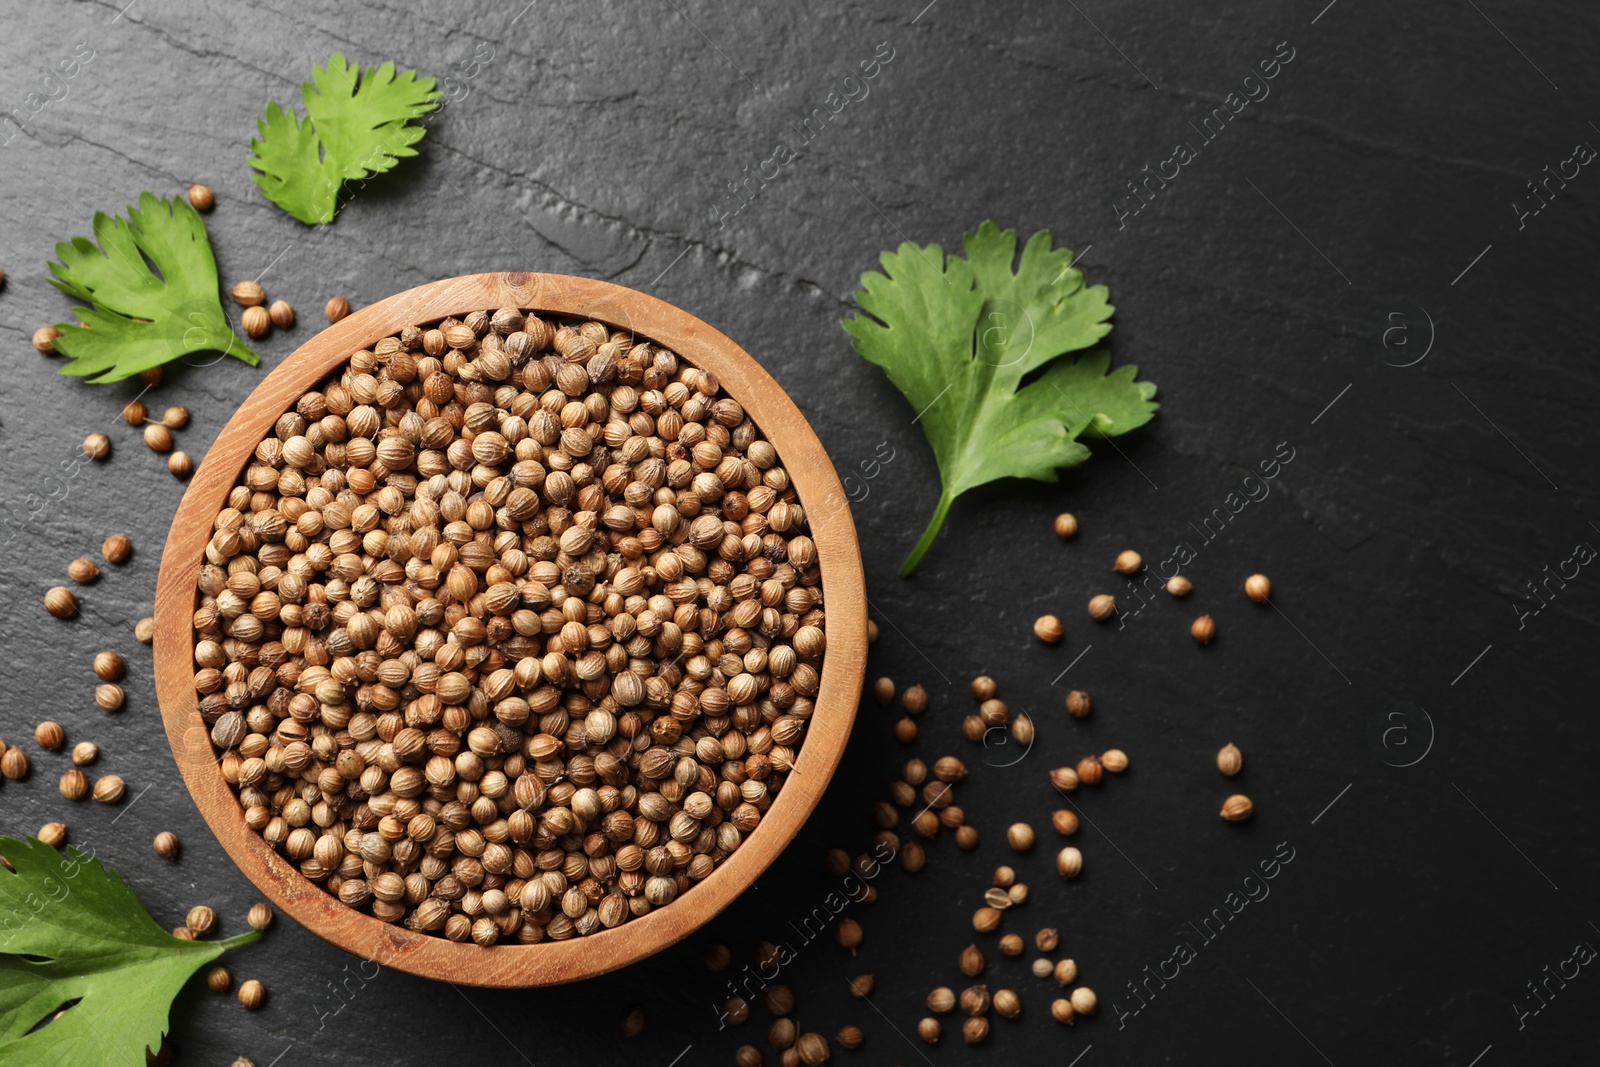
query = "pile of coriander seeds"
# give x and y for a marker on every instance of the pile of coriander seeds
(511, 630)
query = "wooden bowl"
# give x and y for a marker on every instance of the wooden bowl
(548, 962)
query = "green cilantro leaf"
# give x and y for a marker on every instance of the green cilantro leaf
(959, 336)
(72, 933)
(153, 285)
(356, 126)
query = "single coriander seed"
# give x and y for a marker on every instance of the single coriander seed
(975, 1030)
(883, 691)
(1007, 1004)
(1237, 808)
(44, 339)
(747, 1056)
(117, 548)
(60, 602)
(850, 1037)
(1179, 586)
(983, 688)
(252, 994)
(813, 1049)
(905, 731)
(1203, 629)
(74, 785)
(1043, 968)
(14, 763)
(633, 1022)
(249, 293)
(201, 198)
(256, 321)
(1078, 704)
(914, 700)
(179, 465)
(83, 571)
(861, 985)
(282, 314)
(1065, 779)
(53, 834)
(85, 753)
(1011, 946)
(1064, 822)
(986, 920)
(1004, 877)
(151, 376)
(1230, 761)
(144, 631)
(966, 838)
(175, 418)
(942, 1001)
(1114, 760)
(1061, 1011)
(1066, 972)
(1022, 730)
(97, 446)
(109, 789)
(1084, 1001)
(1047, 939)
(219, 979)
(133, 413)
(260, 916)
(971, 961)
(929, 1030)
(1048, 629)
(1066, 526)
(1127, 562)
(1101, 606)
(166, 845)
(1069, 863)
(108, 666)
(157, 437)
(1258, 587)
(1019, 835)
(201, 920)
(49, 735)
(848, 934)
(336, 308)
(974, 999)
(872, 632)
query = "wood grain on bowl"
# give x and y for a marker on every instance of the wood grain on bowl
(844, 599)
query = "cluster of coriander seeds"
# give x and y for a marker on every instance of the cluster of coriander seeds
(510, 630)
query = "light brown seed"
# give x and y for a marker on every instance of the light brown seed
(1061, 1011)
(1011, 946)
(1064, 822)
(60, 602)
(1066, 526)
(929, 1030)
(85, 753)
(813, 1049)
(108, 666)
(1258, 587)
(282, 314)
(108, 696)
(1064, 779)
(883, 691)
(49, 735)
(983, 688)
(1048, 629)
(850, 1037)
(83, 571)
(249, 294)
(848, 934)
(260, 916)
(1022, 730)
(1042, 968)
(1019, 835)
(971, 961)
(201, 920)
(1101, 606)
(1066, 972)
(861, 985)
(219, 979)
(109, 789)
(1047, 939)
(966, 838)
(1007, 1004)
(336, 308)
(1078, 704)
(44, 340)
(256, 322)
(179, 465)
(74, 785)
(252, 994)
(1203, 629)
(97, 446)
(905, 730)
(1179, 586)
(1090, 770)
(1127, 562)
(144, 631)
(201, 198)
(986, 920)
(166, 845)
(1237, 808)
(1114, 760)
(974, 999)
(53, 834)
(117, 548)
(1230, 761)
(14, 763)
(1084, 1001)
(133, 413)
(157, 437)
(914, 700)
(175, 418)
(1069, 863)
(975, 1030)
(151, 376)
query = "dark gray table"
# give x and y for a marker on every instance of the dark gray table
(1342, 268)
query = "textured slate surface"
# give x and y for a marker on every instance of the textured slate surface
(1427, 759)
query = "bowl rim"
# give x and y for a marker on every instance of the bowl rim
(831, 528)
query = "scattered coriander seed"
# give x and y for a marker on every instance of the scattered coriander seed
(242, 1061)
(49, 735)
(108, 666)
(850, 1037)
(1069, 862)
(1043, 968)
(219, 979)
(1018, 893)
(767, 956)
(1066, 526)
(109, 789)
(735, 1009)
(747, 1056)
(929, 1030)
(144, 631)
(53, 834)
(282, 314)
(157, 437)
(133, 413)
(813, 1049)
(201, 198)
(872, 632)
(60, 602)
(1048, 629)
(983, 688)
(971, 961)
(1258, 587)
(1022, 730)
(716, 957)
(1061, 1011)
(1011, 946)
(252, 994)
(1004, 876)
(1066, 972)
(974, 1000)
(1019, 835)
(966, 838)
(973, 728)
(74, 785)
(1064, 822)
(85, 753)
(83, 571)
(179, 465)
(994, 712)
(1089, 770)
(256, 321)
(1078, 704)
(1179, 586)
(151, 376)
(175, 418)
(166, 845)
(201, 920)
(949, 769)
(914, 700)
(14, 763)
(1047, 939)
(1007, 1004)
(44, 340)
(942, 1001)
(117, 548)
(260, 916)
(1127, 562)
(1101, 606)
(1084, 1001)
(905, 731)
(1237, 808)
(633, 1022)
(883, 691)
(1203, 629)
(848, 934)
(249, 294)
(996, 898)
(779, 999)
(336, 308)
(861, 985)
(1230, 761)
(97, 446)
(975, 1030)
(913, 857)
(1114, 760)
(781, 1035)
(986, 920)
(1064, 779)
(915, 772)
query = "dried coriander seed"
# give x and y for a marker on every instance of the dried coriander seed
(157, 437)
(219, 979)
(1114, 760)
(200, 920)
(1090, 770)
(1019, 835)
(1043, 968)
(997, 898)
(986, 920)
(44, 339)
(966, 838)
(1047, 939)
(929, 1030)
(779, 999)
(1066, 972)
(1022, 730)
(85, 753)
(942, 1001)
(133, 413)
(1078, 704)
(1011, 946)
(1084, 1000)
(166, 845)
(1006, 1003)
(1064, 822)
(74, 784)
(49, 735)
(260, 916)
(813, 1049)
(248, 294)
(1004, 877)
(1065, 779)
(109, 667)
(14, 764)
(282, 314)
(1048, 629)
(861, 985)
(1069, 862)
(905, 730)
(850, 1037)
(1258, 587)
(1127, 562)
(117, 548)
(974, 1000)
(971, 961)
(179, 465)
(1203, 629)
(747, 1056)
(1237, 808)
(83, 571)
(883, 691)
(201, 198)
(975, 1030)
(848, 934)
(97, 446)
(1230, 761)
(336, 308)
(144, 631)
(60, 602)
(53, 834)
(252, 994)
(1179, 586)
(632, 1020)
(1061, 1011)
(1066, 526)
(175, 418)
(109, 696)
(914, 700)
(107, 790)
(1101, 606)
(256, 322)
